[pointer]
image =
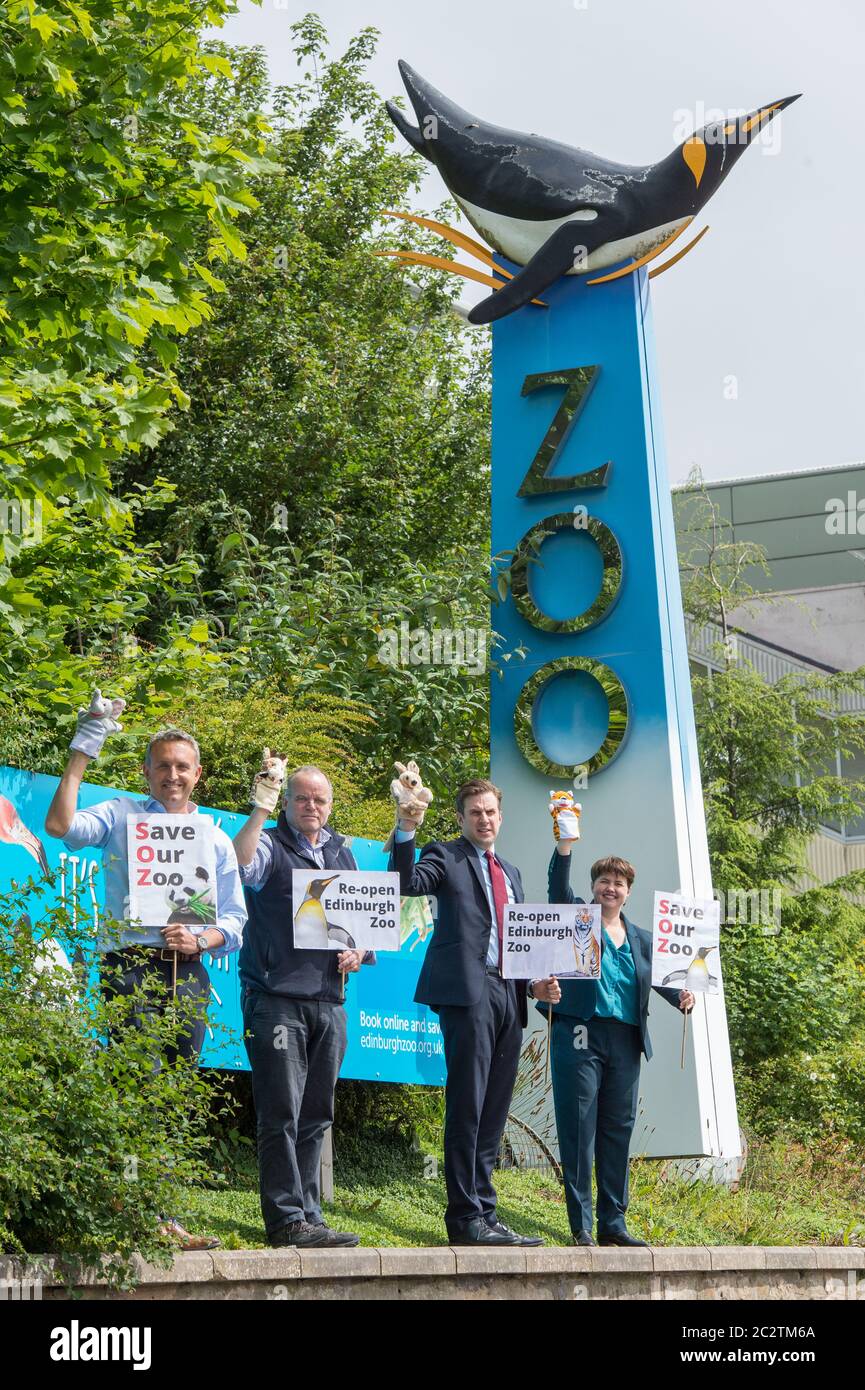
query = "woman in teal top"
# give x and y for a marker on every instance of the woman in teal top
(599, 1031)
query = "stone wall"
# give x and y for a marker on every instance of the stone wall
(444, 1272)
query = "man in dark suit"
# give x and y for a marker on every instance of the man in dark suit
(482, 1015)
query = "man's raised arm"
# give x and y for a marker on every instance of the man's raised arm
(264, 798)
(247, 838)
(94, 725)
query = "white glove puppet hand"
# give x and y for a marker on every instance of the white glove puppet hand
(95, 724)
(410, 795)
(267, 784)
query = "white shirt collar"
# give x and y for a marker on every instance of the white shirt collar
(151, 804)
(481, 853)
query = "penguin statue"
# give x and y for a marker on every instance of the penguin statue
(557, 210)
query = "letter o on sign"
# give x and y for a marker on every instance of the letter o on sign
(611, 581)
(525, 715)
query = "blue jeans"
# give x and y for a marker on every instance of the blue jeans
(295, 1049)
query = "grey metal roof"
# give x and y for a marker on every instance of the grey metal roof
(790, 516)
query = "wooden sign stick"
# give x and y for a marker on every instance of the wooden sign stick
(549, 1041)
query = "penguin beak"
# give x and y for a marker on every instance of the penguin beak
(743, 130)
(713, 151)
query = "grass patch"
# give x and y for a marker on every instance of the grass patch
(393, 1195)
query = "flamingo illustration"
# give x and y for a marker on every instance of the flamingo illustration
(13, 831)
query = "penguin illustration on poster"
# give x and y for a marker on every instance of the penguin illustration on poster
(686, 943)
(349, 910)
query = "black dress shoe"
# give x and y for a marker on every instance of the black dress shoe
(306, 1237)
(335, 1237)
(478, 1232)
(517, 1239)
(618, 1238)
(583, 1238)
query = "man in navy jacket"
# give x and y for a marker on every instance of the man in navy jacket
(292, 1002)
(482, 1015)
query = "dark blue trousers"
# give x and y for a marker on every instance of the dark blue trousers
(125, 973)
(482, 1048)
(596, 1078)
(295, 1049)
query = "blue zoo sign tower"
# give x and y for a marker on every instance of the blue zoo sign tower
(602, 699)
(580, 494)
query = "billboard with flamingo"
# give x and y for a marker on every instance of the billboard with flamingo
(390, 1037)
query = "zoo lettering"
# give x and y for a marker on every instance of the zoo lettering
(146, 854)
(578, 383)
(666, 947)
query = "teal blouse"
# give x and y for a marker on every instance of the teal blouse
(617, 994)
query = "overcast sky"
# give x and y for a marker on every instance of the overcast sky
(774, 295)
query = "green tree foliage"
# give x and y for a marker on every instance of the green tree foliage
(112, 204)
(767, 754)
(713, 566)
(796, 1008)
(97, 1140)
(793, 976)
(329, 379)
(87, 590)
(304, 619)
(307, 729)
(330, 479)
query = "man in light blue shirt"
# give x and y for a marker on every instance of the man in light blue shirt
(175, 953)
(104, 827)
(172, 766)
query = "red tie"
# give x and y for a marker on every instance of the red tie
(500, 895)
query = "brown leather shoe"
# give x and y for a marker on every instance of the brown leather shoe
(184, 1240)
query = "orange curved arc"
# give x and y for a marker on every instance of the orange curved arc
(467, 243)
(453, 267)
(644, 260)
(439, 263)
(659, 269)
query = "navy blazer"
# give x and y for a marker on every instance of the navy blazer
(579, 996)
(454, 968)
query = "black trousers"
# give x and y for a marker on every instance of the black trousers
(124, 974)
(482, 1048)
(596, 1082)
(295, 1049)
